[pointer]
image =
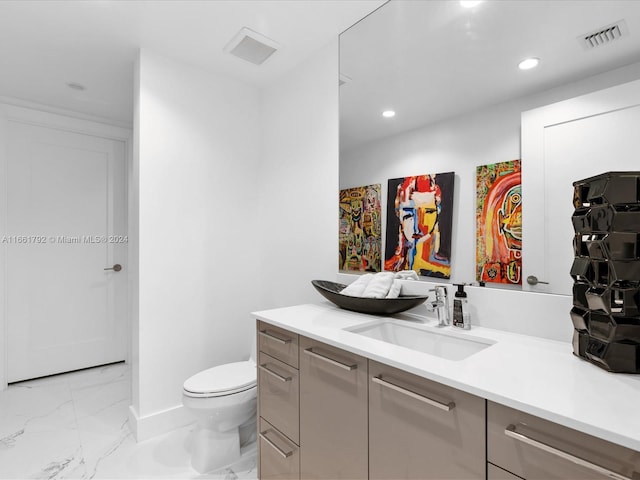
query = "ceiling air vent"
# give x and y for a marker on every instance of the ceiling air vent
(251, 46)
(604, 35)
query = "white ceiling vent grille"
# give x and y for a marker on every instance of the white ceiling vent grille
(604, 35)
(251, 46)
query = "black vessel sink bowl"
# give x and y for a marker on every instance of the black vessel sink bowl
(374, 306)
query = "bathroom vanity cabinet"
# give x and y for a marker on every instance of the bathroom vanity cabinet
(326, 413)
(358, 418)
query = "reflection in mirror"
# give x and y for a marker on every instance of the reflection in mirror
(451, 75)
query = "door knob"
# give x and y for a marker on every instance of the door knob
(533, 280)
(116, 268)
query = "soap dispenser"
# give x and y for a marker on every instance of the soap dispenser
(461, 315)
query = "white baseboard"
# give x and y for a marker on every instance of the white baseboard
(144, 428)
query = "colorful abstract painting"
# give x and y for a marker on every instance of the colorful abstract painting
(420, 224)
(499, 223)
(360, 229)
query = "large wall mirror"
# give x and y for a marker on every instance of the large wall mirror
(450, 72)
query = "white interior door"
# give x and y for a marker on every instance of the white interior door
(563, 143)
(66, 223)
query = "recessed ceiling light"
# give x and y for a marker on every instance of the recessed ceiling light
(469, 3)
(529, 63)
(388, 114)
(76, 86)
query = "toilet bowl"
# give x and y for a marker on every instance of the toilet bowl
(223, 401)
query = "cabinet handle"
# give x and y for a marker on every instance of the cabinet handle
(429, 401)
(264, 368)
(344, 366)
(510, 431)
(263, 435)
(281, 341)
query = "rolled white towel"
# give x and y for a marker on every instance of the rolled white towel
(394, 291)
(407, 275)
(356, 289)
(379, 285)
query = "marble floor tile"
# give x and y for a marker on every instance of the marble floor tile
(75, 426)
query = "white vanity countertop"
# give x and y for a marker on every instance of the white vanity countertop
(538, 376)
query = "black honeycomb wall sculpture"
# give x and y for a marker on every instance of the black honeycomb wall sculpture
(606, 271)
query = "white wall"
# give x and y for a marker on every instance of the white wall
(199, 237)
(133, 252)
(299, 181)
(237, 209)
(3, 227)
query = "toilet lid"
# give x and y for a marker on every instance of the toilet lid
(223, 379)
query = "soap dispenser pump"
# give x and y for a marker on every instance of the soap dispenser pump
(461, 315)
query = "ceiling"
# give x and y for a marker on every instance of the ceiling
(431, 60)
(46, 44)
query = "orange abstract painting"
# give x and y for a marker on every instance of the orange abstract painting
(499, 223)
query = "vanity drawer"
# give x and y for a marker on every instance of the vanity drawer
(533, 448)
(420, 429)
(333, 412)
(279, 456)
(278, 343)
(278, 387)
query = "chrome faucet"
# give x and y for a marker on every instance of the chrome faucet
(441, 305)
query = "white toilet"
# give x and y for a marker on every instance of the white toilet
(223, 399)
